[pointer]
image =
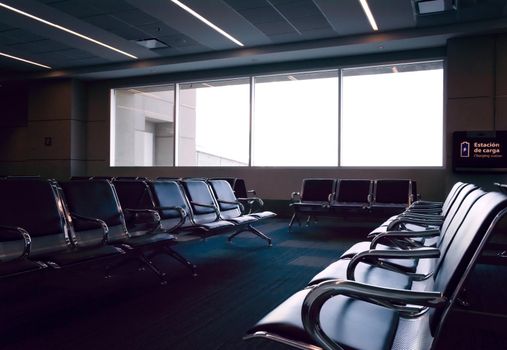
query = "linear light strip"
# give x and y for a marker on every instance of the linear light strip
(23, 60)
(368, 14)
(204, 20)
(54, 25)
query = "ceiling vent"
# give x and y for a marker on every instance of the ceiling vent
(152, 43)
(430, 7)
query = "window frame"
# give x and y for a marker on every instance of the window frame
(251, 80)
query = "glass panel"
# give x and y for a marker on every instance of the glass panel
(142, 126)
(392, 115)
(213, 123)
(296, 120)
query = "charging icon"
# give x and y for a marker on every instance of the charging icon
(465, 149)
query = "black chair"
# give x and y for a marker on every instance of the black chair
(231, 209)
(204, 212)
(313, 200)
(338, 314)
(416, 236)
(391, 196)
(36, 208)
(410, 262)
(171, 204)
(351, 196)
(97, 200)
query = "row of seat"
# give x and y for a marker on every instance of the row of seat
(332, 197)
(395, 291)
(44, 223)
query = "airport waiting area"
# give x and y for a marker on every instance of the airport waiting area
(79, 259)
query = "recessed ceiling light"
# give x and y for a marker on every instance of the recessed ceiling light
(57, 26)
(204, 20)
(368, 14)
(151, 43)
(23, 60)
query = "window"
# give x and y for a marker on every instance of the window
(392, 115)
(142, 126)
(384, 116)
(296, 120)
(213, 123)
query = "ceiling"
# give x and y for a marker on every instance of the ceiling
(271, 31)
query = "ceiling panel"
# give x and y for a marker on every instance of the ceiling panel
(393, 14)
(261, 25)
(345, 16)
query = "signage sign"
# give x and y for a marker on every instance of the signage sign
(479, 151)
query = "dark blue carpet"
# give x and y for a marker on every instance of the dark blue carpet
(238, 284)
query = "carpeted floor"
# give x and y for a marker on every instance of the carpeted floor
(238, 284)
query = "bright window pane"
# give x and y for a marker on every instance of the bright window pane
(296, 120)
(213, 123)
(142, 126)
(392, 115)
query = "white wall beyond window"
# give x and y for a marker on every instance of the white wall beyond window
(296, 120)
(392, 115)
(382, 116)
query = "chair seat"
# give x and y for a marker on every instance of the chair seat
(150, 239)
(76, 256)
(263, 214)
(351, 323)
(216, 225)
(364, 273)
(244, 219)
(311, 207)
(18, 266)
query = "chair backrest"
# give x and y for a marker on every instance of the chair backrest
(94, 199)
(392, 191)
(454, 266)
(317, 190)
(134, 194)
(353, 191)
(34, 205)
(169, 194)
(227, 201)
(201, 201)
(451, 197)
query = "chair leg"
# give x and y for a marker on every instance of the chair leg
(147, 262)
(259, 234)
(234, 234)
(294, 218)
(142, 260)
(308, 219)
(180, 258)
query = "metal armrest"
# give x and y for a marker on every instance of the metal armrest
(295, 196)
(422, 216)
(252, 200)
(408, 303)
(252, 192)
(21, 233)
(403, 234)
(407, 220)
(372, 257)
(181, 212)
(100, 222)
(154, 214)
(238, 203)
(428, 232)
